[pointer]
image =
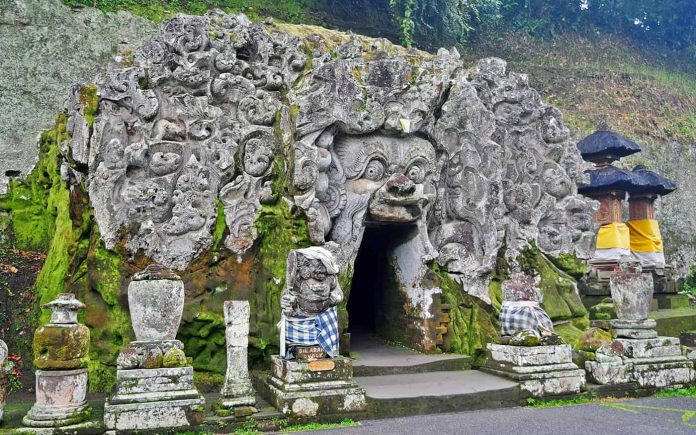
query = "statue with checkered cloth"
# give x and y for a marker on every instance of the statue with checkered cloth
(309, 323)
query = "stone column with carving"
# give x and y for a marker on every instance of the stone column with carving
(61, 350)
(154, 381)
(637, 354)
(237, 391)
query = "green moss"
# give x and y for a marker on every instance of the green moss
(473, 323)
(570, 264)
(203, 333)
(90, 102)
(220, 225)
(561, 298)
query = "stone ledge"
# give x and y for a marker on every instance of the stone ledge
(530, 356)
(154, 415)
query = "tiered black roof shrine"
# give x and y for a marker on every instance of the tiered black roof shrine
(607, 178)
(602, 147)
(605, 145)
(645, 181)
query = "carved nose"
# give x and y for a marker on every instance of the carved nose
(399, 184)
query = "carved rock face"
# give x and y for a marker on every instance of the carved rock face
(214, 106)
(396, 172)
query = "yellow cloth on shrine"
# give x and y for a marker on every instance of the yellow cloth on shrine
(645, 235)
(614, 235)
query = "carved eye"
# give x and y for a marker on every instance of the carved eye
(374, 170)
(416, 174)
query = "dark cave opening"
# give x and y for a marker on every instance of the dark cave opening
(376, 300)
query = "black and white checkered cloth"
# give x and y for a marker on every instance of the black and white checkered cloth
(520, 315)
(321, 330)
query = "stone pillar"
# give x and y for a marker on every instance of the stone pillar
(637, 354)
(237, 390)
(61, 350)
(3, 378)
(154, 381)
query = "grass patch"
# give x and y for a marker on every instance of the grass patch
(572, 401)
(319, 426)
(677, 392)
(292, 11)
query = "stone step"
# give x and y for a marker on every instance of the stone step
(372, 357)
(437, 392)
(671, 323)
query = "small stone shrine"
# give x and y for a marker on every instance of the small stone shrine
(637, 354)
(237, 391)
(154, 381)
(639, 236)
(532, 354)
(60, 355)
(309, 378)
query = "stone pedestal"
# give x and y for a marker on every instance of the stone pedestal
(540, 370)
(154, 383)
(311, 388)
(154, 398)
(60, 399)
(639, 355)
(237, 389)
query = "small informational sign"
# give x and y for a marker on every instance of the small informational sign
(309, 353)
(323, 365)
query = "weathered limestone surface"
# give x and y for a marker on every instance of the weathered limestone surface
(208, 103)
(46, 48)
(540, 370)
(237, 389)
(470, 160)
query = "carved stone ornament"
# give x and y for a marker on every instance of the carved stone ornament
(214, 107)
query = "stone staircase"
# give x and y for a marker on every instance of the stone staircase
(399, 381)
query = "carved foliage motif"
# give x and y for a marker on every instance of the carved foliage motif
(190, 120)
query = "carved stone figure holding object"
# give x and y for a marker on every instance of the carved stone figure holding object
(309, 301)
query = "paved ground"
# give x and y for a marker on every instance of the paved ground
(667, 416)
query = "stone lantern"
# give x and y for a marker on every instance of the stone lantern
(646, 240)
(60, 355)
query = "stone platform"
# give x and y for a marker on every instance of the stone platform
(299, 390)
(154, 398)
(652, 362)
(540, 370)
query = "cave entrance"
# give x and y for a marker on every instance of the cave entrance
(377, 300)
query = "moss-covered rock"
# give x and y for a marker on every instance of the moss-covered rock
(593, 339)
(174, 358)
(61, 347)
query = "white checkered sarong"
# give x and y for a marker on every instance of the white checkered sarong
(307, 331)
(520, 315)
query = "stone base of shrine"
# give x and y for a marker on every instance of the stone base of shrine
(311, 388)
(540, 370)
(650, 362)
(60, 399)
(154, 398)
